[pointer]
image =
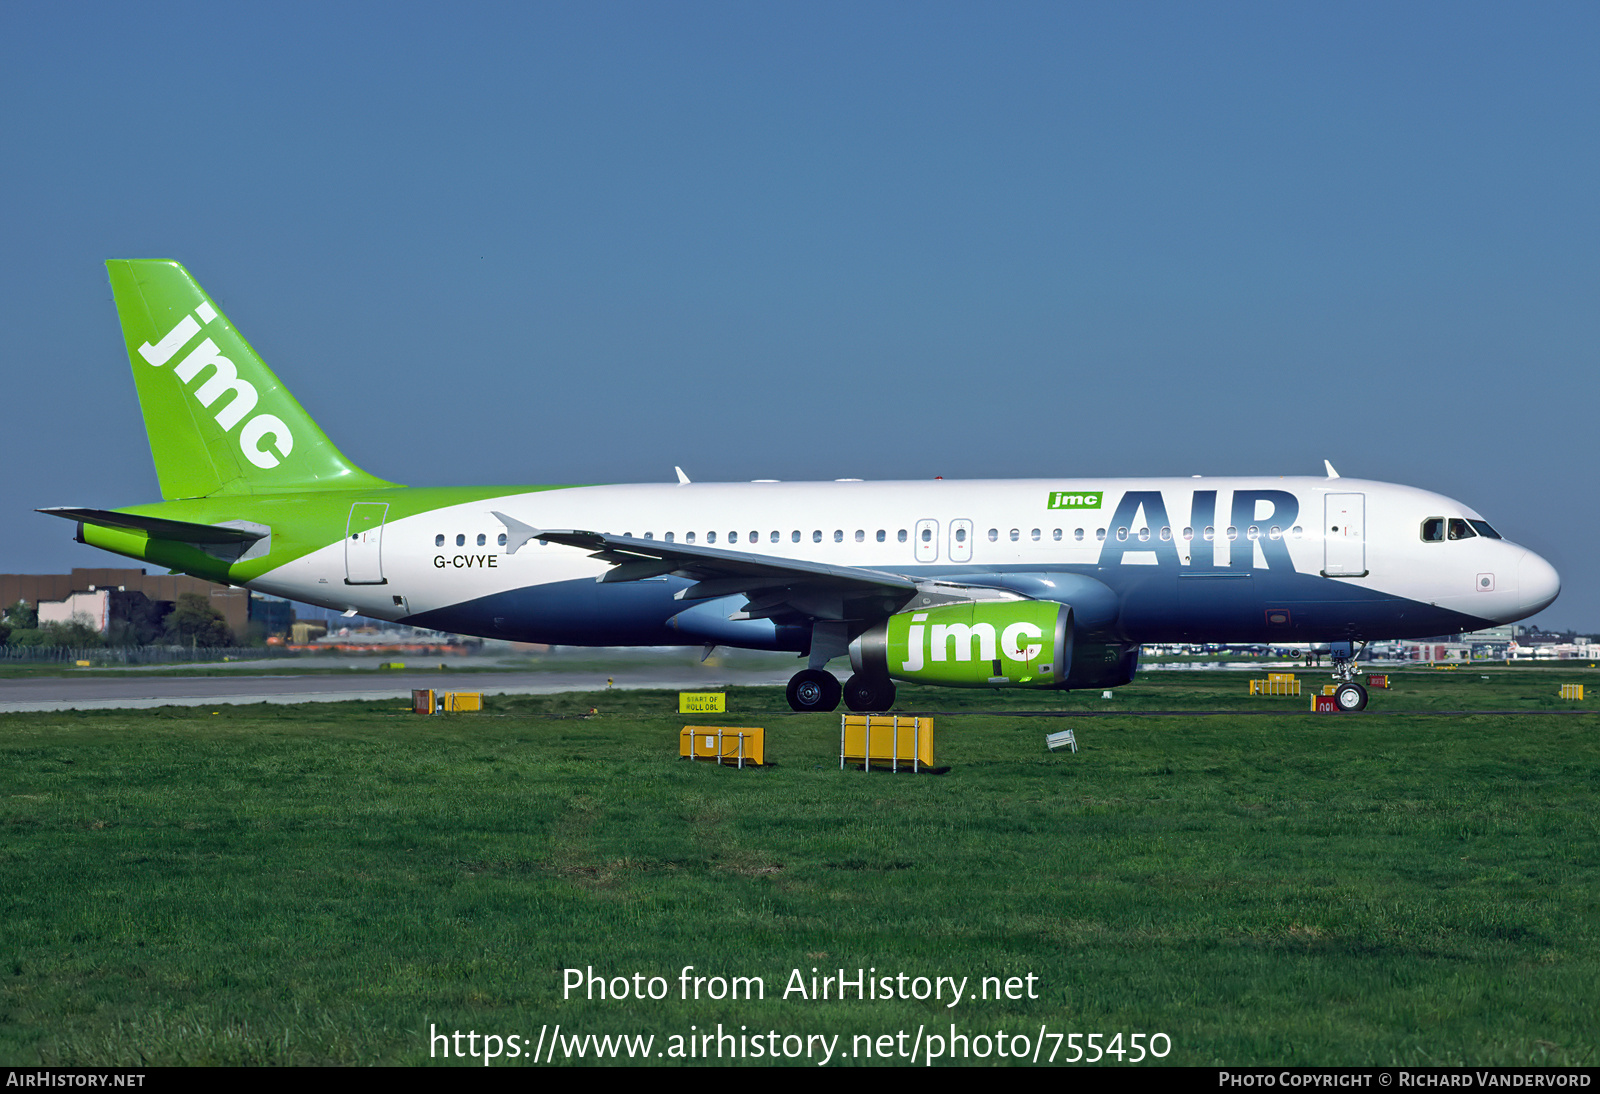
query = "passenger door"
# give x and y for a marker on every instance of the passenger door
(1344, 531)
(363, 544)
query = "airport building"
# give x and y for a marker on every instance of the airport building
(107, 595)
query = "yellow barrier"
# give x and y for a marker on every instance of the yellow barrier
(428, 701)
(1276, 683)
(745, 744)
(885, 738)
(462, 702)
(1572, 691)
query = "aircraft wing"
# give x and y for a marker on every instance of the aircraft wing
(773, 587)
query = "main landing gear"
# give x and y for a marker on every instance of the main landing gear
(817, 691)
(863, 694)
(814, 691)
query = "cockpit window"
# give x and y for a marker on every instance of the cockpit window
(1439, 529)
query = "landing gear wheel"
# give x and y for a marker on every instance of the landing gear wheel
(814, 691)
(863, 694)
(1350, 696)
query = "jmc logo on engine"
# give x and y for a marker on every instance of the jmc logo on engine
(1009, 643)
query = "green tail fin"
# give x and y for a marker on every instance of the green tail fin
(219, 421)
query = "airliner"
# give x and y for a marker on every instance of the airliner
(1049, 584)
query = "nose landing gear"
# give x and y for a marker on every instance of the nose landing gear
(1349, 695)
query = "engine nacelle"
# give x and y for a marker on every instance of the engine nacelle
(1010, 643)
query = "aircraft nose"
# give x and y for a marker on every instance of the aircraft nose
(1537, 583)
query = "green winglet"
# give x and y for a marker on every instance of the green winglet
(218, 420)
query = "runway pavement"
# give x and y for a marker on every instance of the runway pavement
(141, 690)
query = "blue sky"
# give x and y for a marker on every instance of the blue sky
(585, 242)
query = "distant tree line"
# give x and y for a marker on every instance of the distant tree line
(191, 621)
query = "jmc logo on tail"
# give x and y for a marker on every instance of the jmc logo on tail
(224, 379)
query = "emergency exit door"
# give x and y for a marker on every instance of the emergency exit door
(960, 541)
(363, 544)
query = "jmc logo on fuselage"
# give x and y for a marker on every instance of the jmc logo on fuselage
(1062, 499)
(224, 378)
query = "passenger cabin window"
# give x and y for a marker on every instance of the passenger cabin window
(1035, 535)
(502, 539)
(994, 534)
(1100, 534)
(711, 537)
(882, 535)
(816, 536)
(482, 539)
(667, 537)
(688, 537)
(861, 535)
(461, 541)
(961, 535)
(838, 535)
(902, 536)
(795, 536)
(1016, 534)
(927, 535)
(438, 541)
(1056, 535)
(1077, 534)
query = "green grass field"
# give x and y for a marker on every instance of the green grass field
(327, 883)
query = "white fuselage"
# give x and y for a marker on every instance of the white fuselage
(1310, 541)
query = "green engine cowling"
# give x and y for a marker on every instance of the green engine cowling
(983, 644)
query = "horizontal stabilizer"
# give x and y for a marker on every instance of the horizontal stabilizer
(182, 531)
(231, 541)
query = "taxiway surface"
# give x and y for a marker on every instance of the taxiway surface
(136, 690)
